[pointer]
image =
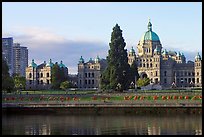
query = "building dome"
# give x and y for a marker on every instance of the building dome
(149, 35)
(132, 50)
(61, 65)
(178, 54)
(50, 64)
(33, 64)
(81, 60)
(198, 56)
(97, 59)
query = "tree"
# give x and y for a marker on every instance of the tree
(65, 85)
(118, 70)
(19, 82)
(57, 76)
(7, 81)
(143, 82)
(134, 76)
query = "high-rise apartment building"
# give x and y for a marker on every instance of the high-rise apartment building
(7, 52)
(20, 59)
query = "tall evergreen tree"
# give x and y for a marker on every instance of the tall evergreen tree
(116, 75)
(7, 81)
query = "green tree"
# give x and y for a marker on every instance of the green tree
(19, 82)
(65, 85)
(57, 76)
(7, 81)
(116, 75)
(134, 76)
(143, 82)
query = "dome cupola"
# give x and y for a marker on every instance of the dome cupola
(49, 64)
(61, 65)
(33, 64)
(149, 35)
(81, 60)
(198, 57)
(97, 59)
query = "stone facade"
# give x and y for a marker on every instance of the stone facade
(164, 68)
(38, 77)
(89, 73)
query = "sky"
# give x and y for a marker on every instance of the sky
(68, 30)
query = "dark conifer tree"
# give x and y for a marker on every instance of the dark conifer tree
(116, 75)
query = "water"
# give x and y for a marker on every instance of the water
(49, 124)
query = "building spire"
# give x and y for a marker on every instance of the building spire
(149, 25)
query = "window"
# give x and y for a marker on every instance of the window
(147, 65)
(144, 65)
(86, 75)
(30, 81)
(38, 75)
(155, 65)
(197, 80)
(185, 73)
(185, 80)
(85, 82)
(30, 75)
(151, 73)
(189, 80)
(89, 81)
(155, 73)
(189, 73)
(47, 74)
(80, 82)
(41, 81)
(41, 75)
(92, 81)
(165, 73)
(193, 73)
(92, 74)
(48, 82)
(150, 64)
(89, 75)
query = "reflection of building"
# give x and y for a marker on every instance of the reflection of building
(7, 52)
(89, 73)
(20, 55)
(39, 76)
(154, 130)
(164, 67)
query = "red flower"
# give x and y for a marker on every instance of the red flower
(180, 97)
(155, 97)
(94, 98)
(169, 97)
(68, 98)
(142, 97)
(136, 97)
(163, 97)
(186, 97)
(175, 97)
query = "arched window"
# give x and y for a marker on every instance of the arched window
(150, 64)
(147, 65)
(92, 74)
(47, 74)
(92, 81)
(144, 65)
(30, 75)
(48, 82)
(197, 80)
(41, 81)
(197, 73)
(155, 73)
(41, 75)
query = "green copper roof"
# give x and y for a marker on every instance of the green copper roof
(178, 54)
(50, 64)
(198, 56)
(61, 65)
(150, 35)
(81, 60)
(33, 64)
(165, 52)
(97, 59)
(132, 50)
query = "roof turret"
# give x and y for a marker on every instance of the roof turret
(33, 64)
(61, 65)
(97, 59)
(49, 64)
(198, 57)
(81, 60)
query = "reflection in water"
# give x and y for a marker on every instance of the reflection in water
(98, 125)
